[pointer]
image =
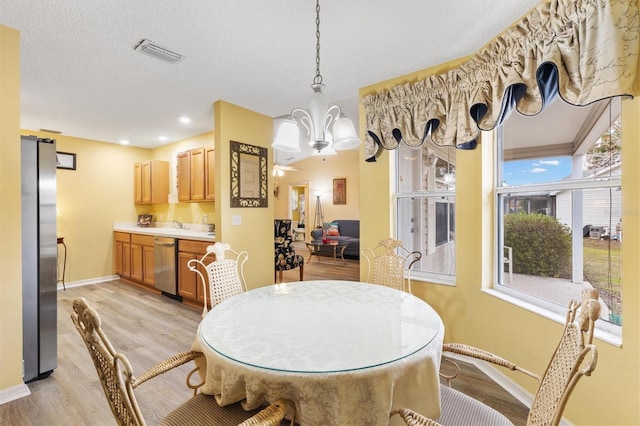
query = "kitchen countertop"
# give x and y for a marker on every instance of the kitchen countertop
(183, 234)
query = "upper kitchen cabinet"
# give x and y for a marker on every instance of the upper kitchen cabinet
(209, 174)
(151, 182)
(196, 175)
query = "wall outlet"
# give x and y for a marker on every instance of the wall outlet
(236, 219)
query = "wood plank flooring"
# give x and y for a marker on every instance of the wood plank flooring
(147, 328)
(323, 268)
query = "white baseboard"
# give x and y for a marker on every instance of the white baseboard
(13, 393)
(90, 281)
(502, 380)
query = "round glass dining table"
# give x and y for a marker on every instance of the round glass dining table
(344, 352)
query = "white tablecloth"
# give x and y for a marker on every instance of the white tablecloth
(345, 353)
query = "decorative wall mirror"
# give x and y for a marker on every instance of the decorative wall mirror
(248, 175)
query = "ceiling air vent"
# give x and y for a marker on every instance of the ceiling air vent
(150, 48)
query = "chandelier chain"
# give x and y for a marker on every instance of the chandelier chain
(318, 78)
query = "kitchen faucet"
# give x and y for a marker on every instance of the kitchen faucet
(180, 224)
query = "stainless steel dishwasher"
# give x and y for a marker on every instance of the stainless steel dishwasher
(165, 253)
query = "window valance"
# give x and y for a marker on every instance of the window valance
(581, 50)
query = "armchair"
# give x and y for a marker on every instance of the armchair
(574, 357)
(285, 255)
(119, 383)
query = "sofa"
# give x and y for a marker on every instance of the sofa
(349, 232)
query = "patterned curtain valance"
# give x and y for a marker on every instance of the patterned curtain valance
(582, 50)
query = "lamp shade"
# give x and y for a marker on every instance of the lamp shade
(287, 136)
(344, 133)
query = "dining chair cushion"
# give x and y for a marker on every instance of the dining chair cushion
(459, 409)
(204, 407)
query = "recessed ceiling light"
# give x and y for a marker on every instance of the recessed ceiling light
(184, 120)
(124, 142)
(162, 138)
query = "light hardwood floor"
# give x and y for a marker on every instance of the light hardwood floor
(147, 328)
(323, 268)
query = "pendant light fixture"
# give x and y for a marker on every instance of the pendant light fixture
(328, 128)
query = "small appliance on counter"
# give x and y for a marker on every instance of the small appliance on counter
(144, 220)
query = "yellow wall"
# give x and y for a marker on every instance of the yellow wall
(318, 173)
(472, 316)
(100, 192)
(255, 233)
(10, 215)
(90, 199)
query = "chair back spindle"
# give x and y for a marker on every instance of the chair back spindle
(388, 262)
(224, 270)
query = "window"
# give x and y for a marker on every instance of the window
(425, 208)
(559, 207)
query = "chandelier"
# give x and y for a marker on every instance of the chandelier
(328, 128)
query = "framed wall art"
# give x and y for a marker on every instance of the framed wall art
(340, 191)
(65, 160)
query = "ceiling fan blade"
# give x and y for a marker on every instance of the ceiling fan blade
(277, 166)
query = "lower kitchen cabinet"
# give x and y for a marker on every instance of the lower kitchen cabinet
(122, 255)
(134, 258)
(142, 259)
(148, 265)
(135, 263)
(189, 284)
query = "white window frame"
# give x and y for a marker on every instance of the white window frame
(605, 331)
(419, 275)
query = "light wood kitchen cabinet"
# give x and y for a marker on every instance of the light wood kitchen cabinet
(189, 284)
(134, 258)
(151, 182)
(197, 174)
(184, 176)
(194, 177)
(122, 255)
(209, 174)
(148, 265)
(142, 259)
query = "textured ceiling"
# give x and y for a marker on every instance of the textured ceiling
(81, 76)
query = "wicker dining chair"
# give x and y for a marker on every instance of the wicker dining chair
(224, 269)
(574, 357)
(118, 382)
(387, 263)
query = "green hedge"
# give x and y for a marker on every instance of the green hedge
(541, 245)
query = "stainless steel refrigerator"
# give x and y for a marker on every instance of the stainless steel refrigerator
(39, 257)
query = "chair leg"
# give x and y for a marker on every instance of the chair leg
(301, 270)
(280, 275)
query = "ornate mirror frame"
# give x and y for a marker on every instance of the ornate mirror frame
(248, 175)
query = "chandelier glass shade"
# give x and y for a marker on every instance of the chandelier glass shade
(328, 128)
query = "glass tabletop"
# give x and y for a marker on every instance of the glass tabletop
(320, 326)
